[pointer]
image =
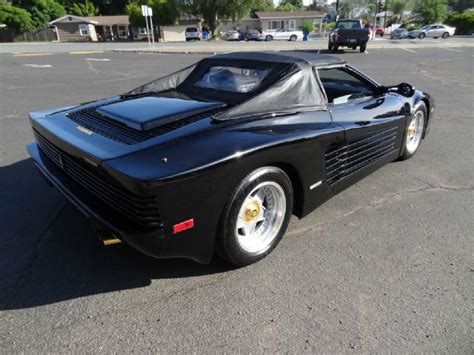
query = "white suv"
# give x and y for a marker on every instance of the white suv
(192, 33)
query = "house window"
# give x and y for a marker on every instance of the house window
(84, 30)
(276, 25)
(122, 31)
(292, 25)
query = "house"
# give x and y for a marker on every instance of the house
(274, 20)
(72, 28)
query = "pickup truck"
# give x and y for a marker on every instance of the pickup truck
(348, 33)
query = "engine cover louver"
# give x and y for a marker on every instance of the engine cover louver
(344, 159)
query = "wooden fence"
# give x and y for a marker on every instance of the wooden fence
(46, 35)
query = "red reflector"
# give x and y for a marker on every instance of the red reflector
(183, 226)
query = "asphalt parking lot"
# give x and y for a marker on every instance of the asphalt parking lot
(385, 266)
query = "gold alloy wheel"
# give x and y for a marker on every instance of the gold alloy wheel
(261, 217)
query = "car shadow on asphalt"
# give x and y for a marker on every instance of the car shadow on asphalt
(49, 252)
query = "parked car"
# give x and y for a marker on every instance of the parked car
(232, 36)
(252, 35)
(399, 33)
(218, 156)
(435, 31)
(348, 33)
(281, 34)
(193, 34)
(380, 31)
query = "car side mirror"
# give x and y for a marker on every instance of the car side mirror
(406, 90)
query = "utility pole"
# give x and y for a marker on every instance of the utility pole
(385, 14)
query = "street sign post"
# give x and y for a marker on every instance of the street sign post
(145, 13)
(150, 13)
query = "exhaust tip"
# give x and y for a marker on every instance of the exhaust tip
(109, 239)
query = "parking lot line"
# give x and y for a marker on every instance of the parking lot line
(454, 50)
(86, 52)
(408, 50)
(38, 65)
(31, 54)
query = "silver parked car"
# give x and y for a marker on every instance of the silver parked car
(232, 35)
(192, 34)
(435, 31)
(399, 33)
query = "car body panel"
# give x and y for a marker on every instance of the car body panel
(283, 35)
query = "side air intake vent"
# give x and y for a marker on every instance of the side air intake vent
(345, 159)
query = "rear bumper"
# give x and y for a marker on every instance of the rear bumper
(351, 42)
(149, 241)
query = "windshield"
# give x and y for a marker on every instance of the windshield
(348, 24)
(233, 79)
(425, 27)
(191, 29)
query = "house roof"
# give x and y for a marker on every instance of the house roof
(72, 18)
(109, 20)
(263, 15)
(95, 20)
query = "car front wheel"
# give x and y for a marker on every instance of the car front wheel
(421, 35)
(255, 217)
(415, 131)
(445, 35)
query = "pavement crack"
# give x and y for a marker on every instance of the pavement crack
(28, 269)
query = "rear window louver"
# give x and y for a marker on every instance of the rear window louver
(91, 119)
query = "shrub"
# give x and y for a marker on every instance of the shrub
(308, 26)
(328, 26)
(464, 22)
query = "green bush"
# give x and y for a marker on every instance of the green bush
(464, 22)
(16, 19)
(308, 26)
(328, 26)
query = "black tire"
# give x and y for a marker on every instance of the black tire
(335, 47)
(354, 47)
(405, 154)
(329, 45)
(445, 35)
(363, 47)
(293, 38)
(421, 35)
(269, 38)
(391, 37)
(227, 243)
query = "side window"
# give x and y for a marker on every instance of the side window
(342, 86)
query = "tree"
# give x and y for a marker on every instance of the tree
(44, 11)
(134, 12)
(263, 5)
(398, 7)
(165, 12)
(461, 5)
(297, 4)
(213, 10)
(345, 9)
(432, 11)
(84, 9)
(16, 19)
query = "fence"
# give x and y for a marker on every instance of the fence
(46, 35)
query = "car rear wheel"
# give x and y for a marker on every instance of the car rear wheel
(445, 35)
(255, 217)
(269, 38)
(292, 38)
(421, 35)
(335, 47)
(415, 132)
(363, 47)
(329, 45)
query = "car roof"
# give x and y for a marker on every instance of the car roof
(308, 57)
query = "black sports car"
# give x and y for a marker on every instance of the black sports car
(219, 155)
